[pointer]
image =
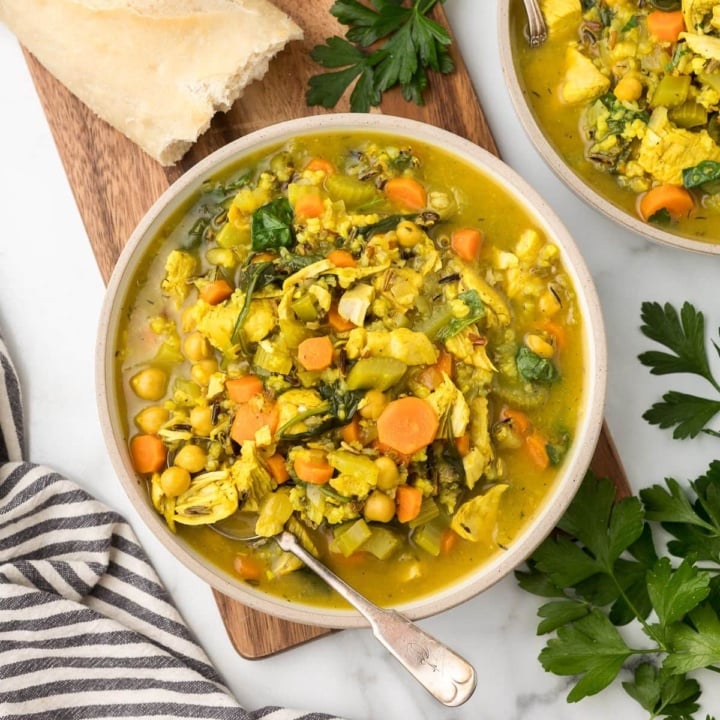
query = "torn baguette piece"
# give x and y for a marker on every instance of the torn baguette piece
(157, 70)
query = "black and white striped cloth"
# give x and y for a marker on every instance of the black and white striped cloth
(87, 630)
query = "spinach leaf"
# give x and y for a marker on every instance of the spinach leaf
(703, 172)
(534, 368)
(338, 409)
(271, 226)
(477, 312)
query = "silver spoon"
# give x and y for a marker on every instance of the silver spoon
(536, 31)
(443, 673)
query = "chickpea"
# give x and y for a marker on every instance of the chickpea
(629, 88)
(174, 481)
(196, 347)
(201, 420)
(201, 371)
(388, 473)
(375, 402)
(152, 418)
(192, 458)
(408, 234)
(379, 507)
(150, 383)
(539, 345)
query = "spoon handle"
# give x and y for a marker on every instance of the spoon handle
(536, 27)
(442, 672)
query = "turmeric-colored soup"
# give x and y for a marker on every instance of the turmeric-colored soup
(627, 92)
(359, 339)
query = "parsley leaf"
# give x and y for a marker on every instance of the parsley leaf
(684, 335)
(674, 593)
(406, 44)
(326, 89)
(661, 694)
(695, 645)
(591, 647)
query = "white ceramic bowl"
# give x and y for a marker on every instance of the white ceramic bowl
(586, 435)
(509, 12)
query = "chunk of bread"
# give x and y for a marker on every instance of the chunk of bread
(157, 70)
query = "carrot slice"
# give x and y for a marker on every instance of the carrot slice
(251, 417)
(351, 432)
(448, 540)
(148, 453)
(337, 322)
(312, 467)
(407, 425)
(246, 567)
(676, 200)
(341, 258)
(520, 421)
(467, 243)
(462, 444)
(408, 500)
(309, 205)
(536, 446)
(242, 389)
(278, 470)
(444, 363)
(407, 192)
(320, 164)
(666, 26)
(316, 353)
(216, 291)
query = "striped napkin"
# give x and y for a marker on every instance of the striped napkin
(87, 630)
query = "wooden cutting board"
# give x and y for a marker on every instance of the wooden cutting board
(114, 183)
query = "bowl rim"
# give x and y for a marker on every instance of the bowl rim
(568, 176)
(594, 347)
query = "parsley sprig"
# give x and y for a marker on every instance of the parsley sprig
(603, 572)
(387, 44)
(683, 334)
(650, 562)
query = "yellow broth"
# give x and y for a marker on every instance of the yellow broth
(541, 72)
(410, 572)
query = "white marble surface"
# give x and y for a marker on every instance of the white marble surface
(50, 297)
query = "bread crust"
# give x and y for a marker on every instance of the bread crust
(157, 70)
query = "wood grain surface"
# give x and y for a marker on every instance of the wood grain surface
(114, 183)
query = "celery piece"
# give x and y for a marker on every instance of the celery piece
(375, 373)
(436, 321)
(351, 538)
(382, 542)
(688, 115)
(429, 510)
(359, 466)
(429, 536)
(305, 308)
(272, 360)
(350, 190)
(671, 91)
(185, 392)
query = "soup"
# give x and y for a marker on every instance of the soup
(362, 340)
(628, 95)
